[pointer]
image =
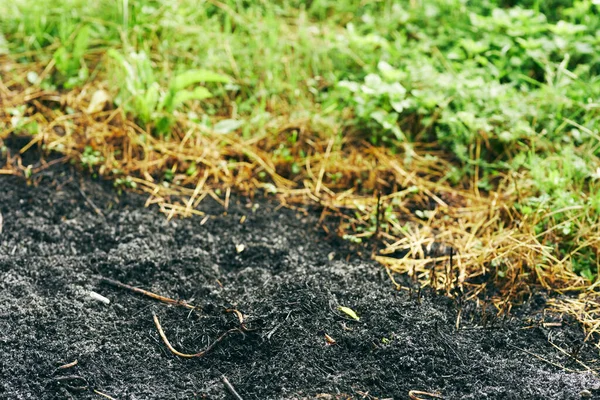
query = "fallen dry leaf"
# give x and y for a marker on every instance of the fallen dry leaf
(99, 100)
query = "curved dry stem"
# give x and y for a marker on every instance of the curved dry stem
(414, 395)
(184, 355)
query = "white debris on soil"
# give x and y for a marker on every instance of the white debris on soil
(99, 297)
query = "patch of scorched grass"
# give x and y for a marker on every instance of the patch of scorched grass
(420, 125)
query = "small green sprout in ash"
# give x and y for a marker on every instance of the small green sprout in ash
(124, 183)
(91, 158)
(349, 312)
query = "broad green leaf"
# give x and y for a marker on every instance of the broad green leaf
(182, 96)
(3, 45)
(141, 108)
(152, 95)
(227, 126)
(384, 66)
(350, 312)
(373, 81)
(116, 55)
(163, 124)
(127, 68)
(61, 60)
(81, 43)
(190, 77)
(144, 73)
(351, 86)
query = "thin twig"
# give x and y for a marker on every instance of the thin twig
(458, 315)
(155, 296)
(377, 218)
(180, 354)
(230, 387)
(90, 202)
(573, 357)
(69, 365)
(414, 395)
(103, 394)
(544, 360)
(322, 171)
(240, 318)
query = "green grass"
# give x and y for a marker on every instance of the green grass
(494, 89)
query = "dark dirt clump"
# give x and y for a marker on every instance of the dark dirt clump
(288, 282)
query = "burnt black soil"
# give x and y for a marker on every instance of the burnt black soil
(288, 282)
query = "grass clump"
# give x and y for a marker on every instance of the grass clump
(473, 125)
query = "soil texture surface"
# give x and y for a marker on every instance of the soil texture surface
(62, 234)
